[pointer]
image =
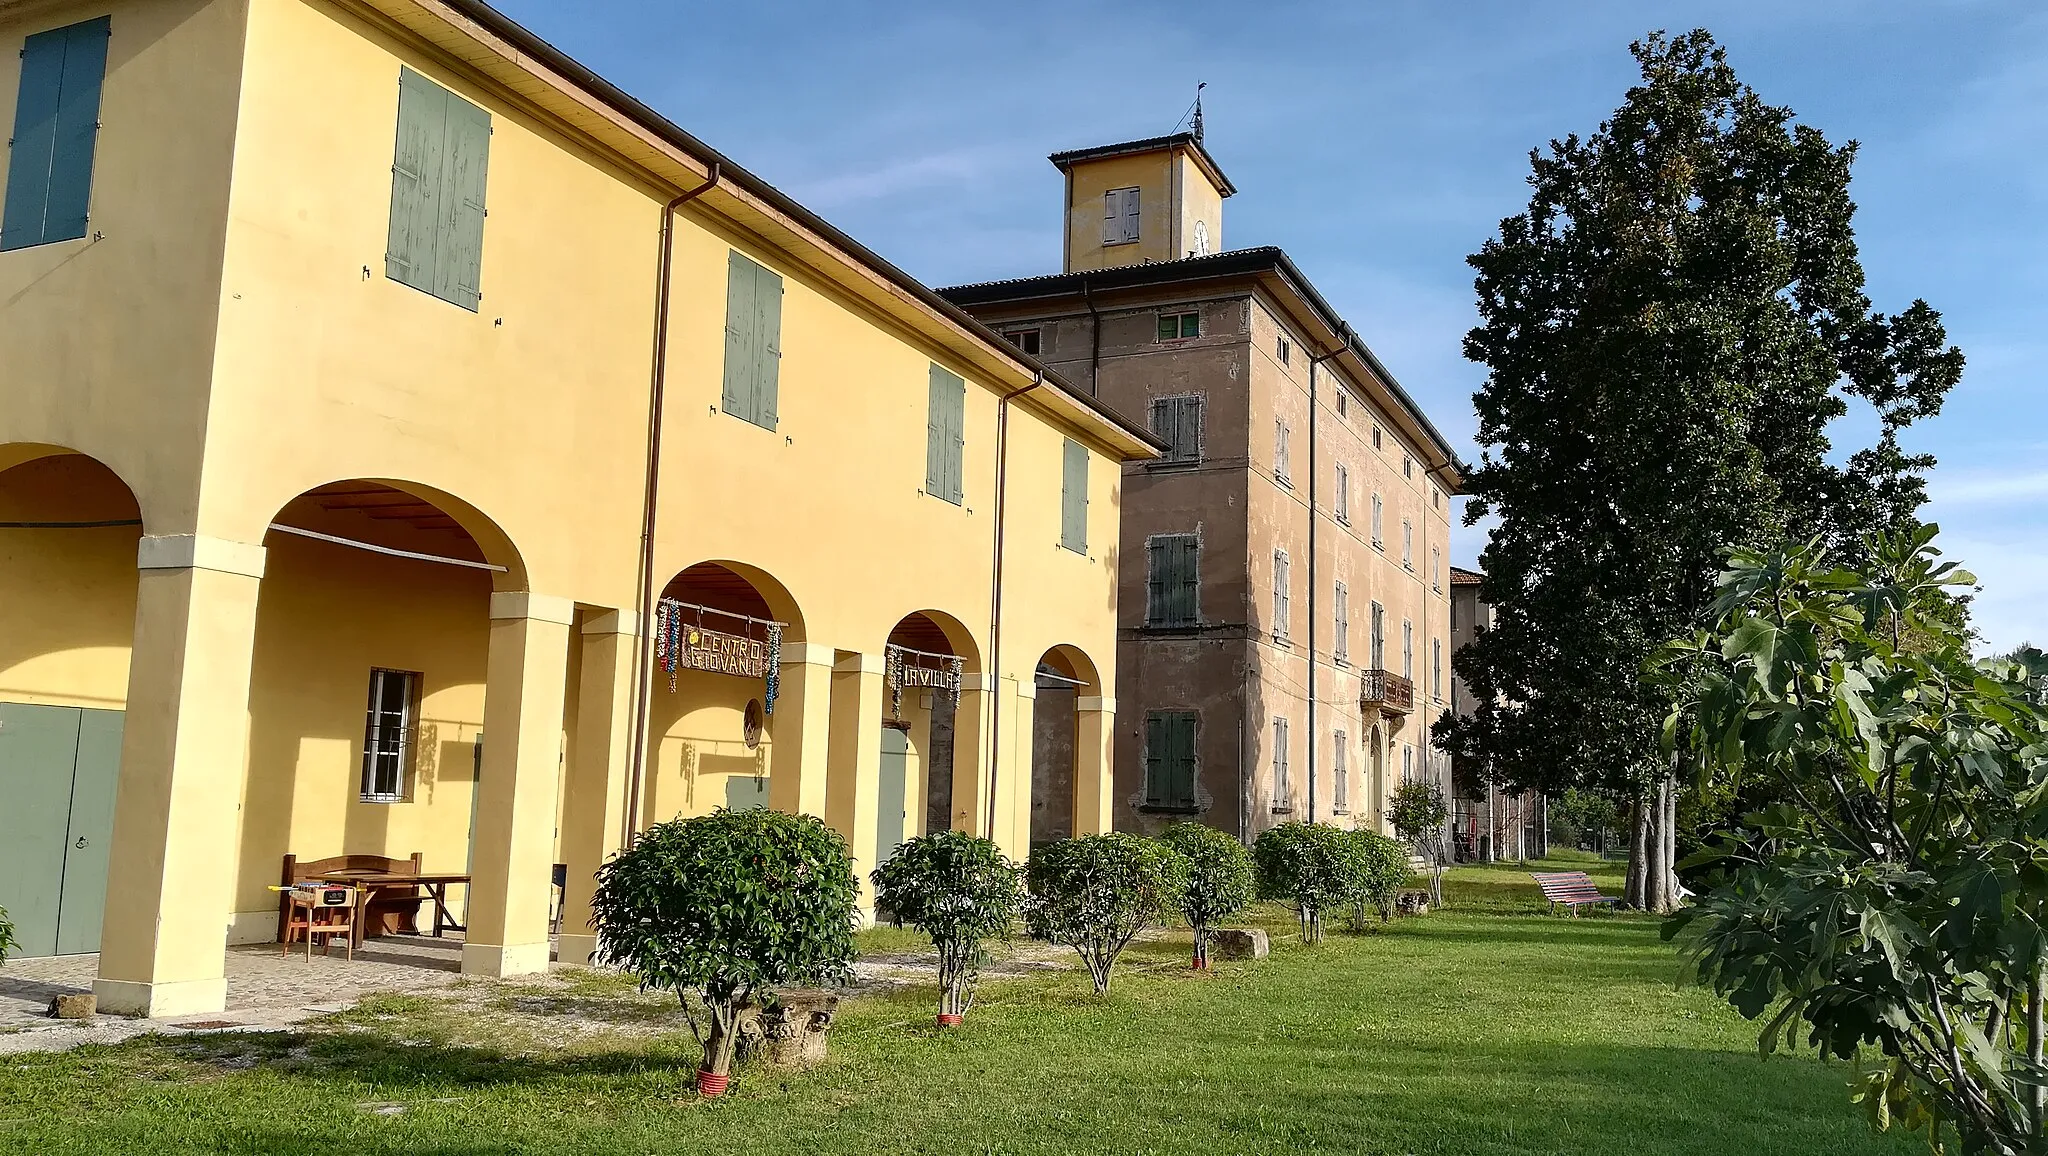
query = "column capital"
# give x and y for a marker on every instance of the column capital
(973, 681)
(509, 604)
(857, 662)
(612, 622)
(806, 654)
(1027, 689)
(1103, 703)
(199, 552)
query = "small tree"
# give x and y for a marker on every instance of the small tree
(723, 908)
(961, 891)
(1310, 865)
(1097, 892)
(1221, 879)
(1419, 815)
(1378, 867)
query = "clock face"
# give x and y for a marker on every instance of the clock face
(1201, 238)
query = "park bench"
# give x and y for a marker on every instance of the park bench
(1572, 889)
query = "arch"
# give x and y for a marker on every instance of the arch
(738, 588)
(1071, 662)
(399, 514)
(937, 632)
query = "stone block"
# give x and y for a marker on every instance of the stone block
(82, 1005)
(791, 1034)
(1239, 943)
(1412, 903)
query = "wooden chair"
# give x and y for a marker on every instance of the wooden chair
(1573, 889)
(389, 909)
(312, 912)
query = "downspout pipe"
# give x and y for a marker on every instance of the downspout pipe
(1314, 736)
(995, 615)
(1094, 337)
(643, 670)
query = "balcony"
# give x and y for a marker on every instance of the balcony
(1386, 692)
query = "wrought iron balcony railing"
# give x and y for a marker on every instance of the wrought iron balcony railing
(1387, 691)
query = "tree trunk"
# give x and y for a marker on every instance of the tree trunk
(1634, 893)
(723, 1040)
(1201, 947)
(1671, 840)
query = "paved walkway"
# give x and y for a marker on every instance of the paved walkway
(265, 990)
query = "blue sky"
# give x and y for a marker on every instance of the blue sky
(1381, 143)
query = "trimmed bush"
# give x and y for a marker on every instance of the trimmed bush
(1221, 879)
(1309, 865)
(1419, 814)
(961, 891)
(1097, 892)
(723, 909)
(1380, 867)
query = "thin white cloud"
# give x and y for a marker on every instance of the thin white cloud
(1948, 491)
(904, 175)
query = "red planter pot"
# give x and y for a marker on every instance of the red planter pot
(950, 1020)
(711, 1084)
(1201, 965)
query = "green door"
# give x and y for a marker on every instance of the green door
(889, 806)
(90, 832)
(57, 771)
(745, 793)
(58, 767)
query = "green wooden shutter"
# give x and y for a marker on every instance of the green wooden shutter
(1188, 574)
(740, 322)
(1187, 437)
(1155, 759)
(467, 157)
(1159, 552)
(768, 346)
(943, 434)
(1074, 498)
(56, 128)
(1184, 779)
(417, 166)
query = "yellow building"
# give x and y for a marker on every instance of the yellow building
(373, 375)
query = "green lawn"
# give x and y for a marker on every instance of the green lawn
(1487, 1029)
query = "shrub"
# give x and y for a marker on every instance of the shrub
(1310, 865)
(725, 907)
(1221, 879)
(7, 944)
(958, 889)
(1379, 867)
(1419, 813)
(1097, 892)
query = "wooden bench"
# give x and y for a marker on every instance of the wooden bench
(1573, 889)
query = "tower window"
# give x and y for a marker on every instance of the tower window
(1024, 339)
(1179, 326)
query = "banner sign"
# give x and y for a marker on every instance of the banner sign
(918, 670)
(683, 642)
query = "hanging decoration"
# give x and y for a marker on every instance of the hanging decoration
(919, 670)
(682, 642)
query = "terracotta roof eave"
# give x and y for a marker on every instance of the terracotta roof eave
(1264, 259)
(568, 68)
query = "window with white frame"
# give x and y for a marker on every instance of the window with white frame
(1408, 543)
(1283, 790)
(1340, 649)
(1280, 595)
(387, 735)
(1283, 349)
(1379, 637)
(1343, 494)
(1343, 403)
(1378, 515)
(1376, 437)
(1408, 649)
(1180, 326)
(1340, 772)
(1281, 466)
(1407, 466)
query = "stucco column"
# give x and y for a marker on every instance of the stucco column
(525, 682)
(594, 803)
(800, 731)
(970, 754)
(855, 764)
(1094, 765)
(1013, 777)
(184, 755)
(919, 785)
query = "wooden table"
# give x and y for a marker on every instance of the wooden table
(435, 885)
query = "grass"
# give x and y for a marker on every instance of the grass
(1484, 1029)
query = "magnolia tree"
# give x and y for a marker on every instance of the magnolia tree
(1378, 867)
(1421, 817)
(724, 908)
(1221, 879)
(1097, 892)
(1895, 904)
(1312, 866)
(961, 891)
